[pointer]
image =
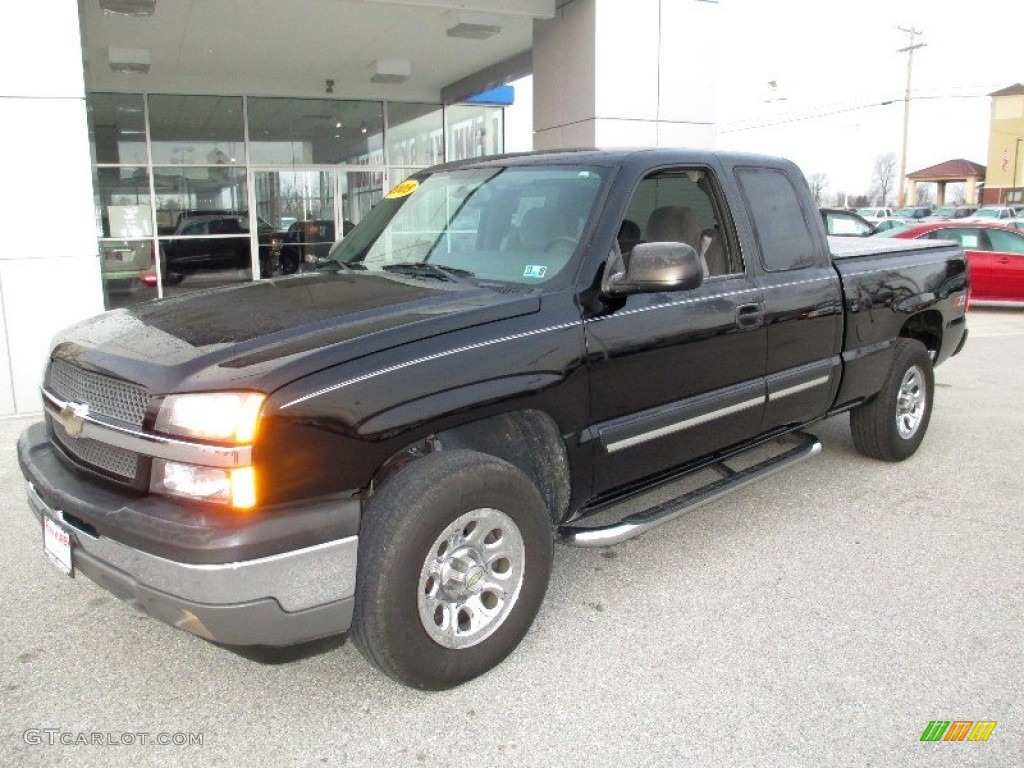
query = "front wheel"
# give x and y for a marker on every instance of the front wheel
(454, 559)
(892, 426)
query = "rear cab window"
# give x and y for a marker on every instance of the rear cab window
(780, 225)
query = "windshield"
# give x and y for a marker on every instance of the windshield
(987, 213)
(512, 225)
(866, 211)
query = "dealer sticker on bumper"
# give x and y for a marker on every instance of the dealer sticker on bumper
(57, 545)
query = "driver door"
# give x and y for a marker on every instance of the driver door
(677, 374)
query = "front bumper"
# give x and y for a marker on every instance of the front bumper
(266, 597)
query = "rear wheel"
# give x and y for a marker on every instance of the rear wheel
(454, 559)
(892, 426)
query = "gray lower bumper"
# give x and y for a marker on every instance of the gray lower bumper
(282, 599)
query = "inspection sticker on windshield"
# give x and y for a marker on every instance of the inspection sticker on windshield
(404, 189)
(535, 270)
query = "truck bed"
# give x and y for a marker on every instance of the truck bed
(886, 281)
(852, 247)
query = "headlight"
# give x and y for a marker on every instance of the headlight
(224, 416)
(236, 487)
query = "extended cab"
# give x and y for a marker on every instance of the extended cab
(390, 446)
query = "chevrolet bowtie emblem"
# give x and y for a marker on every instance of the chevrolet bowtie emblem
(72, 418)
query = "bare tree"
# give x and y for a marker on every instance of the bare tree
(956, 194)
(883, 177)
(923, 195)
(818, 182)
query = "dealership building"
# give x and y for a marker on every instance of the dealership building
(157, 147)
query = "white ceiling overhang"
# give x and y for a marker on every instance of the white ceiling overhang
(268, 47)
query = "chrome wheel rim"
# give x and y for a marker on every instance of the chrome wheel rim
(910, 402)
(471, 578)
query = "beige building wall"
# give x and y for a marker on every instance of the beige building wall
(1006, 145)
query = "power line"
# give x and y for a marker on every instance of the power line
(851, 108)
(802, 118)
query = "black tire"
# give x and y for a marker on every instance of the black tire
(875, 428)
(401, 525)
(166, 276)
(290, 259)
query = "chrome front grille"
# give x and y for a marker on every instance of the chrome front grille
(108, 399)
(105, 396)
(109, 458)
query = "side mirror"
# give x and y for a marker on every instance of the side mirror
(654, 267)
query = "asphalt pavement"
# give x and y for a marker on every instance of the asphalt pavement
(820, 618)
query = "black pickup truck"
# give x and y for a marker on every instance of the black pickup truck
(391, 446)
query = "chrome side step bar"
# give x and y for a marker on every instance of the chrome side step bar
(603, 536)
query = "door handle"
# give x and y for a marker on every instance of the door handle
(749, 316)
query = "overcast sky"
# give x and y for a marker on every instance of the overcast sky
(832, 61)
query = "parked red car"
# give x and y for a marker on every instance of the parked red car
(995, 255)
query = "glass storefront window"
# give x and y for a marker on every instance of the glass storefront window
(122, 202)
(203, 219)
(415, 134)
(128, 272)
(117, 128)
(315, 131)
(183, 192)
(360, 191)
(298, 209)
(475, 131)
(199, 130)
(284, 197)
(194, 175)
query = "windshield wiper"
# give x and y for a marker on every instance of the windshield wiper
(429, 269)
(336, 265)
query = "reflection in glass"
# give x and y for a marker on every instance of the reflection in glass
(298, 206)
(415, 134)
(200, 130)
(127, 270)
(284, 197)
(122, 202)
(203, 222)
(117, 128)
(195, 252)
(360, 192)
(305, 244)
(315, 131)
(183, 192)
(475, 131)
(203, 217)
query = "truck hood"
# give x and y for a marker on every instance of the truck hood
(266, 334)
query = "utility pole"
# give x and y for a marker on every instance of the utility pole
(909, 50)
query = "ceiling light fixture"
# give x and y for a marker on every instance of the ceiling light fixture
(128, 7)
(474, 26)
(390, 71)
(129, 61)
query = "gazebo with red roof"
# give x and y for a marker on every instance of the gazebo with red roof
(944, 173)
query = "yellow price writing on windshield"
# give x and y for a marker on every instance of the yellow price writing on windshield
(404, 189)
